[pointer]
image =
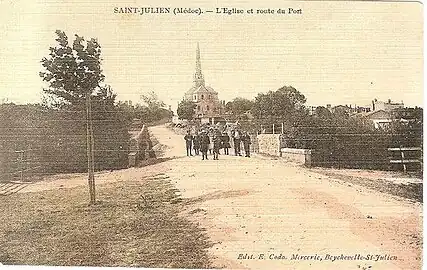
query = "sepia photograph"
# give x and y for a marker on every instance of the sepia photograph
(211, 134)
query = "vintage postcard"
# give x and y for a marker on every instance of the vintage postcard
(211, 134)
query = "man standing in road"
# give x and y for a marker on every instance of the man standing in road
(246, 144)
(237, 137)
(188, 143)
(216, 144)
(225, 142)
(196, 143)
(204, 145)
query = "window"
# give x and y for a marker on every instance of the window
(207, 108)
(195, 97)
(202, 96)
(209, 96)
(198, 107)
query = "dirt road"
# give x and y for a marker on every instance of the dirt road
(268, 214)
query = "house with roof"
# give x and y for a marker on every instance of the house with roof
(380, 118)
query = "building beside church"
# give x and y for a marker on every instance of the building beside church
(386, 106)
(209, 108)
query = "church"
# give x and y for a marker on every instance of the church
(208, 107)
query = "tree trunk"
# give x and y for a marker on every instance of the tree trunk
(90, 145)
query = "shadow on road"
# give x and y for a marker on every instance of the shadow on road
(152, 161)
(216, 196)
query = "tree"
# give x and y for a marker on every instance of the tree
(408, 122)
(74, 71)
(323, 113)
(74, 74)
(152, 100)
(153, 109)
(285, 105)
(341, 112)
(238, 106)
(186, 109)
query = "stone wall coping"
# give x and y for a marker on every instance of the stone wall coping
(268, 135)
(296, 151)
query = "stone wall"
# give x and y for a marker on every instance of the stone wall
(141, 147)
(269, 144)
(300, 156)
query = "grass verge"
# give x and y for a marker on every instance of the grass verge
(134, 224)
(411, 191)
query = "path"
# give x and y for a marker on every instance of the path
(261, 206)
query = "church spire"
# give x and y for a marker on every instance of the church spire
(198, 76)
(198, 64)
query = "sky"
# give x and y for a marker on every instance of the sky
(334, 52)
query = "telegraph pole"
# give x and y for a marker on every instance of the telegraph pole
(89, 147)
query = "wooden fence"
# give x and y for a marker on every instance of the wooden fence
(406, 157)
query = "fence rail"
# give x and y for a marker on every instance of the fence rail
(404, 160)
(20, 164)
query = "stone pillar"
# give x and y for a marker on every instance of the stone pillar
(132, 159)
(307, 158)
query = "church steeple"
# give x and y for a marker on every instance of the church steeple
(198, 76)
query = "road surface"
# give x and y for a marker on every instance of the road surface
(262, 213)
(268, 214)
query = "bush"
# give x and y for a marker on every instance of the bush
(55, 140)
(352, 143)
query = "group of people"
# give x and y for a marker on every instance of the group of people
(215, 140)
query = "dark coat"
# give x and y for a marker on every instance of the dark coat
(216, 143)
(225, 141)
(204, 143)
(246, 142)
(196, 141)
(188, 139)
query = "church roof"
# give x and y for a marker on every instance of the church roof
(201, 88)
(210, 89)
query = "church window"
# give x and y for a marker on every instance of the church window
(198, 107)
(195, 97)
(202, 96)
(207, 108)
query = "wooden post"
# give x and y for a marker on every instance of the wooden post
(283, 127)
(20, 164)
(92, 142)
(273, 128)
(402, 155)
(89, 148)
